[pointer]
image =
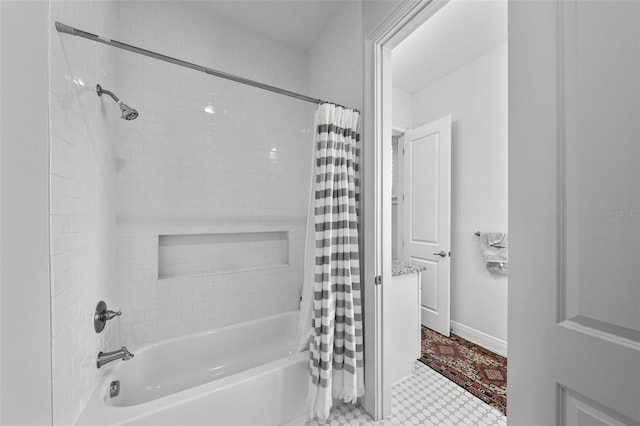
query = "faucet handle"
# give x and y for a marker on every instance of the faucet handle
(108, 315)
(102, 315)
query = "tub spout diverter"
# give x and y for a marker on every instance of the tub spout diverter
(106, 357)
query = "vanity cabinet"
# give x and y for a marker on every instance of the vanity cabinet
(404, 320)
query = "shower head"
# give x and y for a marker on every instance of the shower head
(128, 113)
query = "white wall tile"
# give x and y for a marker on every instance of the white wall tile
(117, 185)
(183, 171)
(82, 204)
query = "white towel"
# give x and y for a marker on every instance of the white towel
(495, 251)
(497, 239)
(498, 267)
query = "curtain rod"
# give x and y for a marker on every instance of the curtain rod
(63, 28)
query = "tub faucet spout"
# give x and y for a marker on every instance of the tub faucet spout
(106, 357)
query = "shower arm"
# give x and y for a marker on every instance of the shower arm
(100, 91)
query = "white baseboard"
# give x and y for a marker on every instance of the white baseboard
(479, 338)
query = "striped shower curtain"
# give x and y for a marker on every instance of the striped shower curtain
(336, 351)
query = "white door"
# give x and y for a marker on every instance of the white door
(574, 200)
(427, 216)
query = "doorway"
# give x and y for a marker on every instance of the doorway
(553, 110)
(460, 85)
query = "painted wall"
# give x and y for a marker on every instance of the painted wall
(475, 95)
(401, 109)
(336, 58)
(25, 388)
(82, 201)
(400, 120)
(207, 156)
(396, 241)
(375, 12)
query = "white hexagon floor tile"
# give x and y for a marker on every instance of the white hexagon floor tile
(425, 398)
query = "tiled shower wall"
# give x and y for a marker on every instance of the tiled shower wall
(82, 202)
(207, 157)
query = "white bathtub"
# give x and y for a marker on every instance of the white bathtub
(244, 374)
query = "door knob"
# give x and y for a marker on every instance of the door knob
(441, 254)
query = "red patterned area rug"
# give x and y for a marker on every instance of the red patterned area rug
(478, 370)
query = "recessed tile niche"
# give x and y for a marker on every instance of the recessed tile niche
(194, 254)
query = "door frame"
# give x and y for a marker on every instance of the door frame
(401, 22)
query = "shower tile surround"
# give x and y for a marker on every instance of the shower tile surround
(82, 204)
(206, 158)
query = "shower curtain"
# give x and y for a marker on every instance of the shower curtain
(331, 313)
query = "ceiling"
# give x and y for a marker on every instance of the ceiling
(458, 33)
(297, 23)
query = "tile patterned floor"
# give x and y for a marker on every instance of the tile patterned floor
(425, 398)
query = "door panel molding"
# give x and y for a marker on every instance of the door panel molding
(612, 333)
(577, 409)
(569, 313)
(430, 187)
